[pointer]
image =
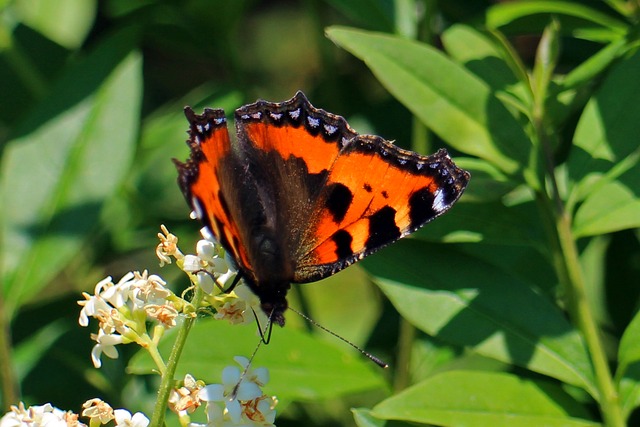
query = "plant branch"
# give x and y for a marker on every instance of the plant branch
(167, 382)
(562, 241)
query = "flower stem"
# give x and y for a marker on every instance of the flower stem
(167, 383)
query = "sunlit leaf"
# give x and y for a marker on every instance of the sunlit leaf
(464, 301)
(482, 399)
(301, 366)
(71, 154)
(472, 120)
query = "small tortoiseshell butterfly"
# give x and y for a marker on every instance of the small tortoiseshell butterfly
(300, 195)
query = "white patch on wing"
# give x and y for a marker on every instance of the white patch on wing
(197, 208)
(438, 201)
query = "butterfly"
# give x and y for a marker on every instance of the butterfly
(299, 195)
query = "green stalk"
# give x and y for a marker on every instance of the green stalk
(583, 317)
(9, 388)
(562, 241)
(167, 383)
(406, 340)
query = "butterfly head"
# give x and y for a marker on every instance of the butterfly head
(274, 303)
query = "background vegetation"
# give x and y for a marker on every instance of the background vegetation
(516, 308)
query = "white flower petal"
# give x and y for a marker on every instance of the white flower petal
(230, 376)
(206, 250)
(219, 265)
(104, 283)
(206, 282)
(212, 393)
(122, 416)
(235, 410)
(242, 361)
(261, 375)
(140, 420)
(248, 391)
(110, 351)
(215, 414)
(191, 264)
(96, 352)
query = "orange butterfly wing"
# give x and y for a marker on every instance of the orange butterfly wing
(368, 192)
(379, 193)
(205, 179)
(301, 195)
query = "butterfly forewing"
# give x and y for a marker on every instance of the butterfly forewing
(376, 193)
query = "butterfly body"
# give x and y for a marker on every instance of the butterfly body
(300, 195)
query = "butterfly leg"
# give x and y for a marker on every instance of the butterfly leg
(265, 334)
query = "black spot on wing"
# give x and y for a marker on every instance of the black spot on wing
(382, 228)
(343, 240)
(421, 207)
(367, 187)
(339, 200)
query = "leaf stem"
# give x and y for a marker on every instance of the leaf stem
(167, 382)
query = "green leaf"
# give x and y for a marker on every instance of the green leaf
(487, 223)
(629, 389)
(593, 259)
(472, 120)
(372, 14)
(605, 141)
(611, 207)
(483, 57)
(338, 314)
(488, 183)
(71, 155)
(507, 13)
(629, 350)
(67, 22)
(481, 399)
(573, 89)
(594, 66)
(29, 352)
(301, 366)
(467, 302)
(363, 418)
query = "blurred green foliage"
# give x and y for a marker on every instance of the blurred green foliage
(519, 307)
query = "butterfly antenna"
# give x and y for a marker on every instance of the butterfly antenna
(234, 392)
(365, 353)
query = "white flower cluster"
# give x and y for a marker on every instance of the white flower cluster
(47, 415)
(36, 416)
(239, 400)
(123, 308)
(212, 270)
